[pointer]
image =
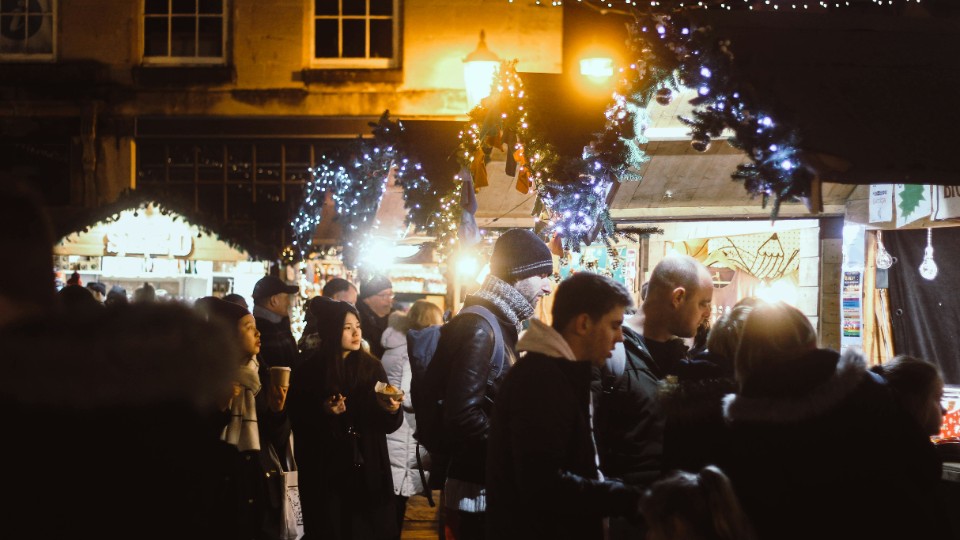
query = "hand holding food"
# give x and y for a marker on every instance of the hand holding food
(335, 404)
(388, 396)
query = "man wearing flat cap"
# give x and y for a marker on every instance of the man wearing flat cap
(375, 305)
(271, 306)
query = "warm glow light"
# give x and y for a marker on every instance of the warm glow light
(598, 69)
(467, 266)
(779, 291)
(479, 69)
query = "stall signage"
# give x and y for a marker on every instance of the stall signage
(149, 243)
(947, 203)
(881, 203)
(913, 203)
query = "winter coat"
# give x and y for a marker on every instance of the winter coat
(373, 328)
(468, 342)
(695, 434)
(629, 422)
(818, 447)
(346, 487)
(542, 476)
(401, 445)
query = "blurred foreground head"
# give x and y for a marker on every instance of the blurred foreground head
(26, 285)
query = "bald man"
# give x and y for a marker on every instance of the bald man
(629, 420)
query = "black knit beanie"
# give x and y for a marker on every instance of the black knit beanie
(519, 254)
(221, 310)
(373, 286)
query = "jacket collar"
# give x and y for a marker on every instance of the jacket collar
(767, 409)
(543, 339)
(261, 312)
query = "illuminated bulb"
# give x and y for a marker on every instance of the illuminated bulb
(884, 260)
(928, 268)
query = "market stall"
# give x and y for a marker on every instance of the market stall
(147, 243)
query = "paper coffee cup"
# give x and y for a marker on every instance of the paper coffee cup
(280, 376)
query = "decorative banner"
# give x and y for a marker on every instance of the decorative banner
(947, 202)
(850, 312)
(881, 203)
(913, 203)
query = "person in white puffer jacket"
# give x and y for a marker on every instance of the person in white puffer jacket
(401, 445)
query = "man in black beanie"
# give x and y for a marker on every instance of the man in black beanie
(520, 270)
(375, 305)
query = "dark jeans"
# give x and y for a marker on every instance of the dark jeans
(401, 503)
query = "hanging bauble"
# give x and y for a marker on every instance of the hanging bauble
(701, 144)
(664, 96)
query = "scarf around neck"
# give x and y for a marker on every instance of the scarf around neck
(508, 300)
(242, 430)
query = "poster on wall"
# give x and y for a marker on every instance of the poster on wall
(881, 203)
(946, 204)
(913, 203)
(850, 310)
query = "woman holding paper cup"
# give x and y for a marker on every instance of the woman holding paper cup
(341, 422)
(257, 419)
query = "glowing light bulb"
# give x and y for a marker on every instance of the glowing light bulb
(928, 268)
(884, 260)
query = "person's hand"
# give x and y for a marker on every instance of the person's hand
(335, 404)
(389, 404)
(277, 399)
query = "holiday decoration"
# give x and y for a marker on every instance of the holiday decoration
(357, 188)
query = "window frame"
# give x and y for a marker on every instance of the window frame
(354, 63)
(183, 60)
(39, 57)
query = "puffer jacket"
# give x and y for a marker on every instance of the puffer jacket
(401, 446)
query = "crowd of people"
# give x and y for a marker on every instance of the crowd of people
(158, 420)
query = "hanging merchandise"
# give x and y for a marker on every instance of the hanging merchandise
(928, 268)
(884, 260)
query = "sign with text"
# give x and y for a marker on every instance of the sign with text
(947, 202)
(881, 203)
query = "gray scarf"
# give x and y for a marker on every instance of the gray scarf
(511, 304)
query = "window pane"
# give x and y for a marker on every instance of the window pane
(211, 200)
(325, 39)
(210, 163)
(151, 163)
(354, 7)
(182, 35)
(181, 163)
(40, 40)
(155, 37)
(293, 196)
(210, 39)
(153, 7)
(211, 6)
(298, 163)
(184, 6)
(239, 158)
(326, 7)
(268, 197)
(354, 39)
(381, 38)
(381, 7)
(239, 202)
(12, 27)
(268, 163)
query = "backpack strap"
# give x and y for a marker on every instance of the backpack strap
(423, 479)
(497, 359)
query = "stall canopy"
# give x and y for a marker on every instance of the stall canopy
(135, 225)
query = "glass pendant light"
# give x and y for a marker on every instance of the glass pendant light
(884, 260)
(928, 268)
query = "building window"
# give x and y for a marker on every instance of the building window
(184, 31)
(355, 33)
(253, 188)
(27, 29)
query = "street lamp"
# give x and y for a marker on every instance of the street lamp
(479, 67)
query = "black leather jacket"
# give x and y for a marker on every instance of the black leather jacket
(468, 404)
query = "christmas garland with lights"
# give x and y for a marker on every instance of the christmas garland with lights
(674, 51)
(357, 188)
